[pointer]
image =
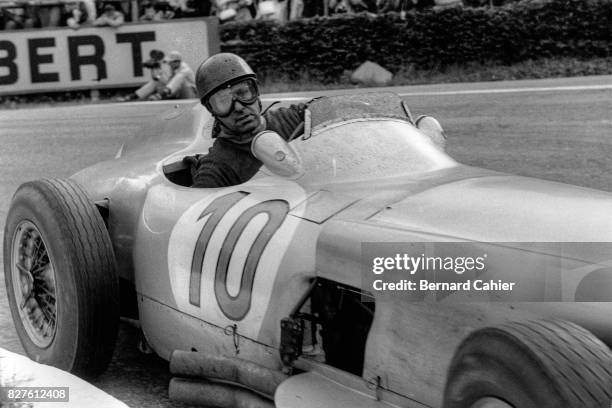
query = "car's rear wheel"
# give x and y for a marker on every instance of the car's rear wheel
(538, 364)
(61, 277)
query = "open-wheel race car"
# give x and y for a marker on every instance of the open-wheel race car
(263, 287)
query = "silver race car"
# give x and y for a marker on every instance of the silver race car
(269, 289)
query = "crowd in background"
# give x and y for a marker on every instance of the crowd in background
(244, 10)
(19, 14)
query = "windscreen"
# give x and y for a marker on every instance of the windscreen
(328, 110)
(367, 148)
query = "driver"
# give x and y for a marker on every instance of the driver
(228, 88)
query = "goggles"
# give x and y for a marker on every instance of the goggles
(221, 103)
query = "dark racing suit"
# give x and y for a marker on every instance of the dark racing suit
(228, 163)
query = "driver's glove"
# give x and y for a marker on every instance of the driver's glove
(193, 162)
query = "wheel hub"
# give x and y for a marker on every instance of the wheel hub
(34, 284)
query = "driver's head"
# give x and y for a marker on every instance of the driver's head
(228, 88)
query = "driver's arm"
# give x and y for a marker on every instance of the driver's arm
(223, 166)
(209, 175)
(285, 120)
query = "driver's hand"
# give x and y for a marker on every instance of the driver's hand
(193, 161)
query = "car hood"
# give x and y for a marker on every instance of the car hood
(473, 207)
(502, 208)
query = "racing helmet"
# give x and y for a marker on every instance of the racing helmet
(219, 70)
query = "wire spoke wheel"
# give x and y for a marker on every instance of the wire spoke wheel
(61, 278)
(34, 284)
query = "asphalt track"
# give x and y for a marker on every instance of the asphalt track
(557, 129)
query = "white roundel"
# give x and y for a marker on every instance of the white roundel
(223, 256)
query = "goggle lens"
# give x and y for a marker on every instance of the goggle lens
(222, 101)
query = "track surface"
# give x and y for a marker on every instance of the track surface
(554, 129)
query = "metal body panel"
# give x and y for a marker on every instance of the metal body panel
(125, 181)
(506, 208)
(331, 387)
(313, 389)
(184, 332)
(403, 332)
(339, 250)
(323, 205)
(166, 239)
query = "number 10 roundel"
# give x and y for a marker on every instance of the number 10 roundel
(234, 307)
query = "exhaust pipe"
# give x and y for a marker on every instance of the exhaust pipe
(250, 375)
(214, 395)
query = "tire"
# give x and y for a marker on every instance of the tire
(537, 364)
(59, 265)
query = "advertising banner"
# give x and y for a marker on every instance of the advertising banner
(61, 59)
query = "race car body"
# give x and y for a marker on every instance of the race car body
(227, 271)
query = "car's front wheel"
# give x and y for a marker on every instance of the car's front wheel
(61, 277)
(538, 364)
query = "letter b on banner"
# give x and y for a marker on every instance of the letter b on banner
(8, 53)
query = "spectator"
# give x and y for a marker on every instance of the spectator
(181, 8)
(352, 6)
(179, 83)
(90, 6)
(158, 81)
(74, 14)
(16, 18)
(234, 10)
(269, 10)
(164, 10)
(47, 14)
(149, 13)
(110, 17)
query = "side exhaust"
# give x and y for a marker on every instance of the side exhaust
(214, 395)
(252, 385)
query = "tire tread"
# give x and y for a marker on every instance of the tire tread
(585, 366)
(95, 251)
(88, 244)
(575, 364)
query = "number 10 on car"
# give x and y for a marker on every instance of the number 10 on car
(234, 307)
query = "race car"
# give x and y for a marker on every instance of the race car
(294, 288)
